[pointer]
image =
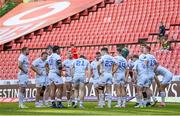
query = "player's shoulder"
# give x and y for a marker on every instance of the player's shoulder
(150, 56)
(22, 57)
(122, 58)
(66, 60)
(37, 60)
(86, 60)
(56, 56)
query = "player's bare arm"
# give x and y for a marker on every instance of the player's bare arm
(20, 66)
(114, 69)
(34, 68)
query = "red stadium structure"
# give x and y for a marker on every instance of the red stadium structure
(90, 25)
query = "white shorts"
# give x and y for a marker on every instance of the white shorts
(167, 79)
(119, 79)
(40, 81)
(106, 79)
(68, 79)
(54, 77)
(47, 81)
(150, 79)
(23, 80)
(143, 81)
(79, 79)
(96, 82)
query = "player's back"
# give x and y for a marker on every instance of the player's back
(108, 62)
(122, 64)
(140, 67)
(151, 62)
(163, 71)
(80, 65)
(52, 62)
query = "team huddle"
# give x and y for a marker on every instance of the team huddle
(104, 71)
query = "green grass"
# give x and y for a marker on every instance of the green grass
(12, 109)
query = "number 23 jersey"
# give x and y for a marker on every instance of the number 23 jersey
(107, 62)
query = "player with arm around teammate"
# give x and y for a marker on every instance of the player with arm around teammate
(23, 66)
(39, 67)
(78, 72)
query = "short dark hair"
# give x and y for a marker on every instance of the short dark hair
(135, 56)
(50, 47)
(148, 48)
(55, 48)
(97, 53)
(82, 56)
(24, 49)
(43, 53)
(119, 49)
(104, 49)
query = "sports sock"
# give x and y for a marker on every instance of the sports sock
(124, 101)
(20, 96)
(109, 98)
(119, 101)
(81, 102)
(163, 95)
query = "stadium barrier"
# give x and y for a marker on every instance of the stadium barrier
(9, 93)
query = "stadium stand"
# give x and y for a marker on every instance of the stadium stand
(105, 24)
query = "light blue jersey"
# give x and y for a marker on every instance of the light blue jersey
(52, 62)
(67, 65)
(140, 67)
(151, 63)
(41, 66)
(162, 71)
(80, 66)
(107, 62)
(25, 63)
(119, 77)
(167, 75)
(122, 64)
(94, 69)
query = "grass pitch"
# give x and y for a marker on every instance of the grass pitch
(12, 109)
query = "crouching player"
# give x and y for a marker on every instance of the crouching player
(167, 77)
(120, 75)
(39, 67)
(78, 72)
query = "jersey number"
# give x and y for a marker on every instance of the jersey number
(80, 63)
(108, 63)
(122, 64)
(152, 62)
